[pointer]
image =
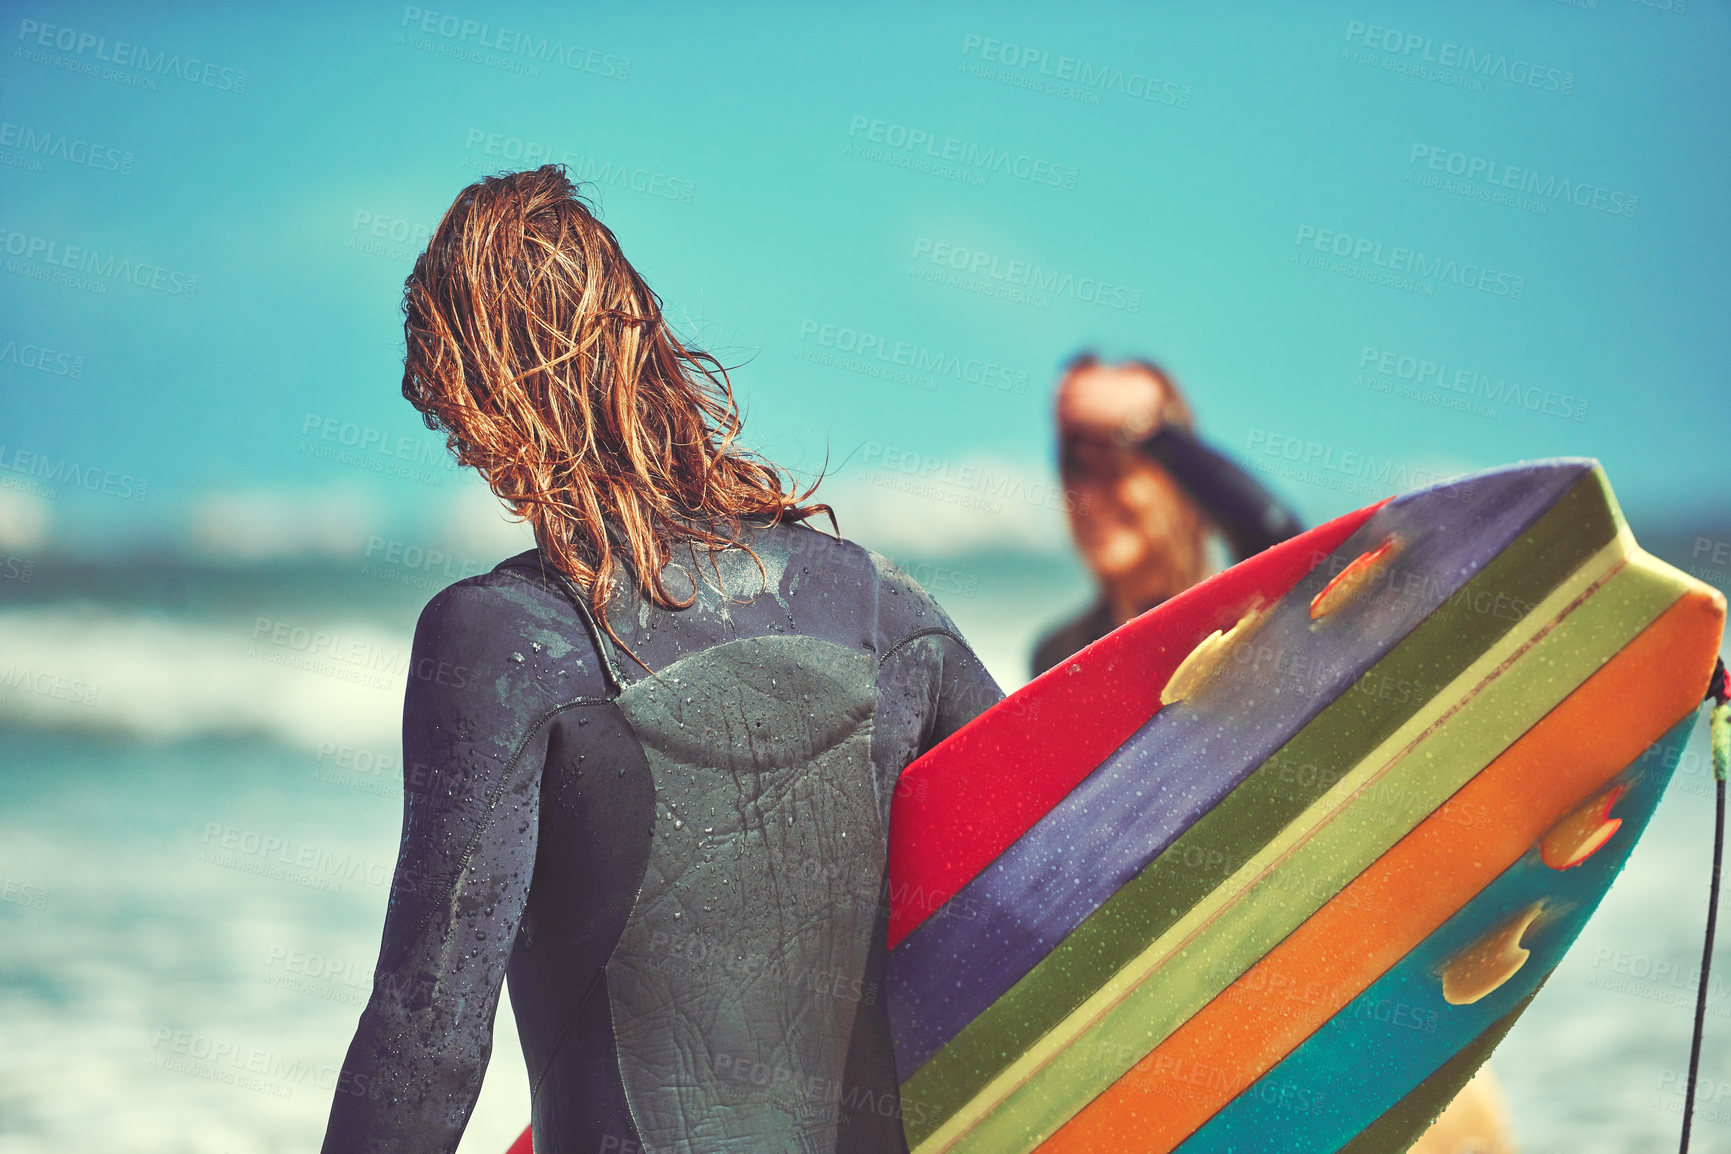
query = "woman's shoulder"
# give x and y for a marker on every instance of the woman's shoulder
(814, 546)
(902, 607)
(515, 584)
(819, 567)
(516, 622)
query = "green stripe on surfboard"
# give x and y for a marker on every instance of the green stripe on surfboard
(1578, 525)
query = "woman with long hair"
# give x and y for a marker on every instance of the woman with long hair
(648, 764)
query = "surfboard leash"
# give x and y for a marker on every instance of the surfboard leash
(1719, 737)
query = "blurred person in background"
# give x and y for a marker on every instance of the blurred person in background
(1143, 493)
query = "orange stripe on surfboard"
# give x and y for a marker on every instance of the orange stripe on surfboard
(1601, 728)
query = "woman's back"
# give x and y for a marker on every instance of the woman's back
(683, 871)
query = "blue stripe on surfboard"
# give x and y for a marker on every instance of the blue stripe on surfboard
(1189, 756)
(1388, 1060)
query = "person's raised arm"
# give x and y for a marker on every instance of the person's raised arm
(474, 740)
(1248, 516)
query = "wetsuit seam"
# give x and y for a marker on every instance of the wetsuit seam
(609, 673)
(565, 1034)
(932, 631)
(493, 802)
(601, 970)
(925, 728)
(637, 897)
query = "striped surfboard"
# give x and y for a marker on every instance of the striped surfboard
(1342, 806)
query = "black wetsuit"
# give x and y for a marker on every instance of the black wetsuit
(1246, 514)
(683, 874)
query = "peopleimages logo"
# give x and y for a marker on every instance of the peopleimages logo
(1371, 256)
(928, 145)
(922, 361)
(1083, 75)
(462, 32)
(61, 471)
(1461, 59)
(1472, 383)
(987, 268)
(38, 143)
(123, 54)
(1349, 470)
(93, 264)
(42, 358)
(1484, 170)
(45, 683)
(988, 483)
(486, 149)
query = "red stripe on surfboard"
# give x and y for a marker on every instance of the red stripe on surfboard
(525, 1143)
(965, 802)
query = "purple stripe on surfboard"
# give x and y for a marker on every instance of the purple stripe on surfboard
(1181, 763)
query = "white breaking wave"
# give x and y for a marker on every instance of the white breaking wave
(901, 502)
(308, 683)
(23, 519)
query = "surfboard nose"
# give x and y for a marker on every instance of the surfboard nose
(1546, 472)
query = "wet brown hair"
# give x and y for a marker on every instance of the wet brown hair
(545, 359)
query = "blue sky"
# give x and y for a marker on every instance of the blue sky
(1433, 238)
